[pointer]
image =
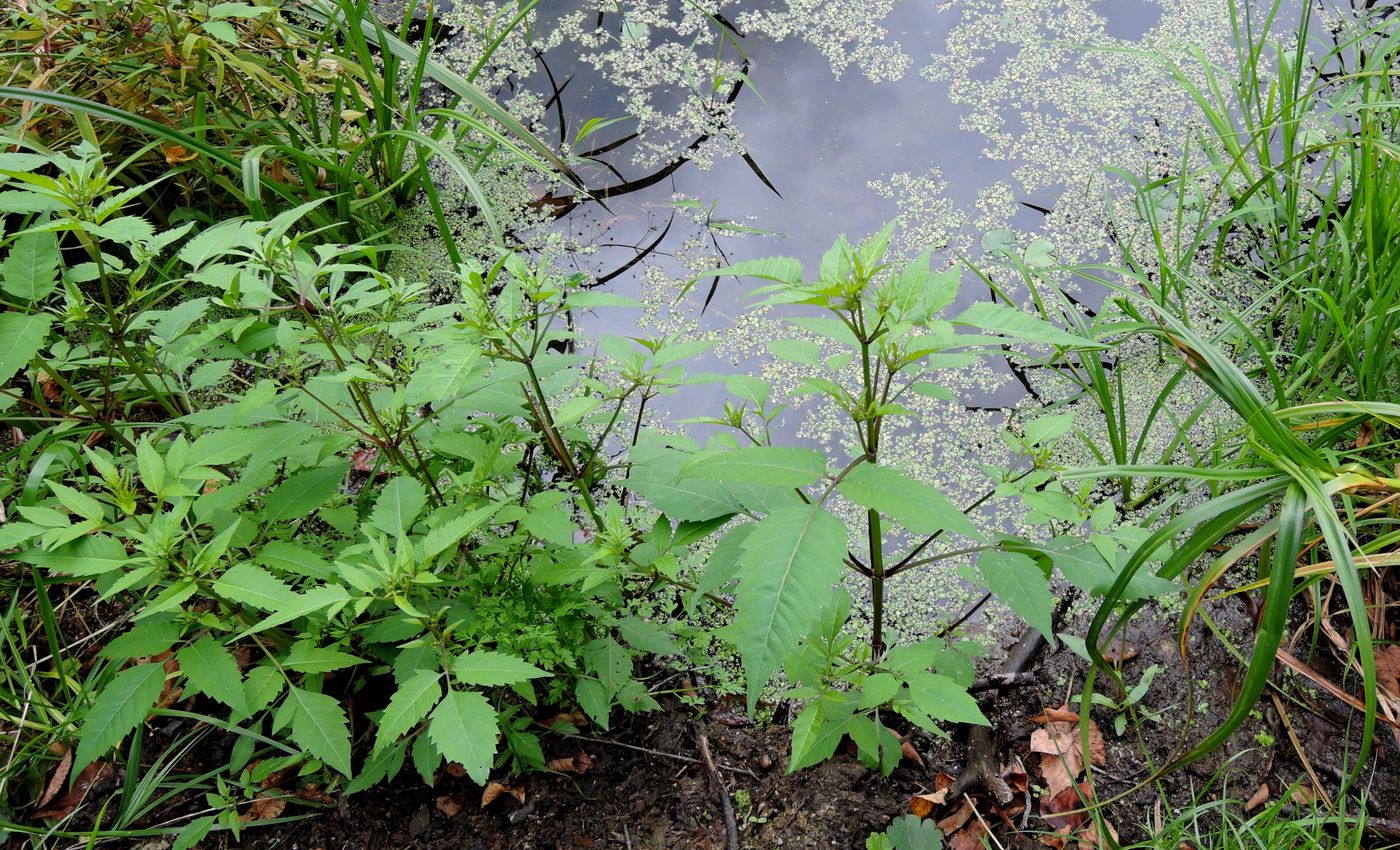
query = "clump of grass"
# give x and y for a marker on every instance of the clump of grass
(257, 106)
(1220, 824)
(1271, 271)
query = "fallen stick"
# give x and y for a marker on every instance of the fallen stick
(981, 767)
(731, 829)
(651, 752)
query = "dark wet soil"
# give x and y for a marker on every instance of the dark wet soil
(632, 798)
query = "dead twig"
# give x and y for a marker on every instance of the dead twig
(731, 829)
(651, 752)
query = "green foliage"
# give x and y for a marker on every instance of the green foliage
(907, 833)
(259, 105)
(878, 338)
(1290, 198)
(299, 479)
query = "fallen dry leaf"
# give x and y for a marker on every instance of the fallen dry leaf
(264, 807)
(969, 837)
(1090, 839)
(53, 393)
(921, 805)
(169, 694)
(579, 763)
(1303, 794)
(494, 790)
(312, 793)
(1260, 797)
(954, 822)
(1388, 668)
(364, 459)
(64, 806)
(277, 778)
(176, 154)
(449, 805)
(60, 773)
(455, 770)
(1062, 757)
(730, 716)
(1014, 775)
(1060, 715)
(911, 754)
(1365, 434)
(566, 719)
(1120, 653)
(1060, 811)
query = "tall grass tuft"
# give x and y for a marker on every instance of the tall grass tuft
(1270, 268)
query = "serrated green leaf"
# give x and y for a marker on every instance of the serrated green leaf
(30, 272)
(252, 585)
(86, 556)
(1019, 582)
(320, 728)
(817, 731)
(464, 730)
(450, 533)
(942, 698)
(408, 706)
(723, 564)
(306, 657)
(398, 505)
(800, 351)
(1017, 324)
(448, 374)
(21, 337)
(786, 270)
(609, 661)
(878, 689)
(151, 637)
(685, 499)
(303, 493)
(790, 563)
(487, 668)
(911, 833)
(647, 637)
(774, 466)
(120, 707)
(913, 504)
(1083, 565)
(593, 698)
(210, 669)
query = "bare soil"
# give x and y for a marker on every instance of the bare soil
(664, 798)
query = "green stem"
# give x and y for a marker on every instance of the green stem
(877, 585)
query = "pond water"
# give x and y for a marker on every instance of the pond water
(844, 149)
(958, 117)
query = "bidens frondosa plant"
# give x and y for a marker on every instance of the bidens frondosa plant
(877, 340)
(306, 490)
